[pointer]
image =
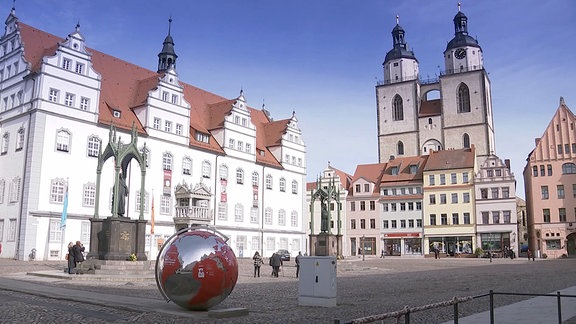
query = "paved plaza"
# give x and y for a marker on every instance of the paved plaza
(365, 288)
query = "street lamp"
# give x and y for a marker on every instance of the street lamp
(363, 247)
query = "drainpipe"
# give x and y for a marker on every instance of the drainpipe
(263, 180)
(23, 183)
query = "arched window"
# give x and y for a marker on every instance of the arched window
(206, 169)
(5, 142)
(397, 108)
(223, 172)
(568, 168)
(20, 139)
(167, 161)
(187, 166)
(63, 140)
(463, 98)
(400, 148)
(93, 146)
(429, 121)
(255, 179)
(268, 181)
(239, 176)
(282, 185)
(466, 140)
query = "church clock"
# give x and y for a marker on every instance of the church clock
(460, 53)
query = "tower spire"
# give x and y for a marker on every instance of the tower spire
(167, 57)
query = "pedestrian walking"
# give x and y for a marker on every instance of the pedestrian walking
(382, 254)
(436, 253)
(275, 262)
(257, 263)
(529, 254)
(298, 263)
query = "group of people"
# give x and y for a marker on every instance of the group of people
(275, 262)
(75, 257)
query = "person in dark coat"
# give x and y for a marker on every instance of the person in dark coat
(70, 258)
(78, 252)
(275, 262)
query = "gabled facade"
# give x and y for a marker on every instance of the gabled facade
(452, 111)
(496, 218)
(550, 185)
(448, 204)
(401, 206)
(58, 103)
(363, 218)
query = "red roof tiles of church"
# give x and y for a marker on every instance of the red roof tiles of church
(430, 108)
(125, 86)
(451, 159)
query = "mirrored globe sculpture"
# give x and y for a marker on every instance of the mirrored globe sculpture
(196, 269)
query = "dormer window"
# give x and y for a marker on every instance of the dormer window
(116, 113)
(394, 170)
(413, 169)
(202, 137)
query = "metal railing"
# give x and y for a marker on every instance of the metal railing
(200, 213)
(407, 310)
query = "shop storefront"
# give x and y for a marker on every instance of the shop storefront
(451, 245)
(495, 242)
(396, 244)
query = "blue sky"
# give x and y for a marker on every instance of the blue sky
(323, 58)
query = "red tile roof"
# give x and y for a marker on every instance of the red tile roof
(125, 86)
(403, 164)
(370, 172)
(430, 108)
(451, 159)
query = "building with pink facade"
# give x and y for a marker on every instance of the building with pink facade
(550, 186)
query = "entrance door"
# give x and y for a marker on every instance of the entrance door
(571, 244)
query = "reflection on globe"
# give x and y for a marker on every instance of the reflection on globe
(196, 269)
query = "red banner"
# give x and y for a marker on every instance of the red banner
(223, 194)
(167, 187)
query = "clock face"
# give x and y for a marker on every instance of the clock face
(460, 53)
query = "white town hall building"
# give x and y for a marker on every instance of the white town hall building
(211, 159)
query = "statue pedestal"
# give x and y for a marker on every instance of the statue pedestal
(325, 244)
(116, 238)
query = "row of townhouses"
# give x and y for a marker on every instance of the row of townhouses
(410, 206)
(209, 159)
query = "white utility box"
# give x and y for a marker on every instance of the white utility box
(317, 284)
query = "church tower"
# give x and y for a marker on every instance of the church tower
(396, 98)
(466, 95)
(167, 57)
(451, 111)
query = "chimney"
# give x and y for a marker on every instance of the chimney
(391, 158)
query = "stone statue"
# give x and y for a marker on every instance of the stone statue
(324, 216)
(122, 194)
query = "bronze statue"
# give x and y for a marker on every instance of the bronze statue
(324, 216)
(122, 194)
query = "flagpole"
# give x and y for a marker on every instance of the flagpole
(64, 217)
(151, 227)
